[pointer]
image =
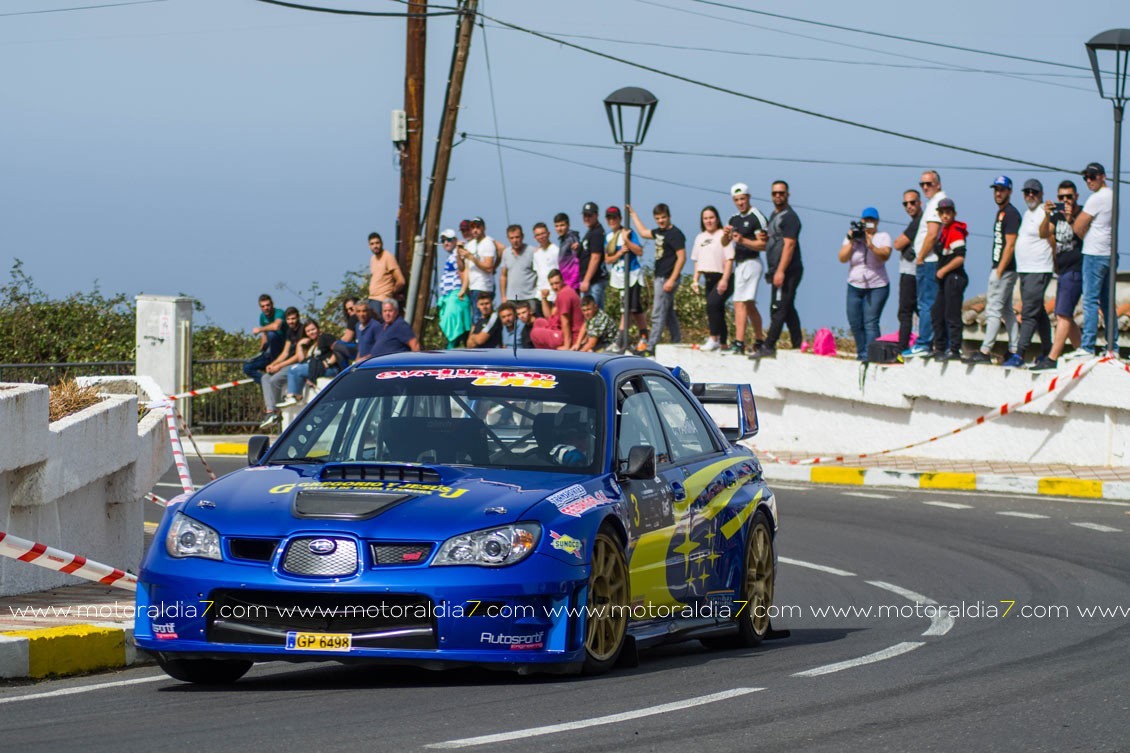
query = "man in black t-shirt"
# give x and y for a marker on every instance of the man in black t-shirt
(487, 332)
(785, 269)
(1002, 276)
(670, 256)
(590, 257)
(908, 270)
(746, 231)
(1057, 227)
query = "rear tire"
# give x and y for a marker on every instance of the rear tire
(757, 588)
(609, 592)
(205, 671)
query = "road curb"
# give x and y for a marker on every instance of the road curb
(1046, 486)
(66, 650)
(207, 447)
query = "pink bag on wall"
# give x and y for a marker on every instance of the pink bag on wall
(824, 343)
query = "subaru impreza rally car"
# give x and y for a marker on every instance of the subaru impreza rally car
(528, 510)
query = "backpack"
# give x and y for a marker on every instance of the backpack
(824, 343)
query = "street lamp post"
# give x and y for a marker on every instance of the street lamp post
(1110, 57)
(629, 114)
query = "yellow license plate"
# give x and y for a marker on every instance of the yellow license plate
(319, 641)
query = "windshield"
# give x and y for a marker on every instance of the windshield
(491, 418)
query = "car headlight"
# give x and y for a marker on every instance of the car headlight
(491, 547)
(191, 538)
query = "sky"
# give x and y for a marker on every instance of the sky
(225, 148)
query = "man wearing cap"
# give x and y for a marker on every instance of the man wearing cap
(1002, 276)
(590, 257)
(926, 262)
(546, 255)
(952, 281)
(1034, 265)
(1093, 225)
(908, 269)
(451, 297)
(480, 255)
(746, 230)
(670, 256)
(518, 280)
(622, 247)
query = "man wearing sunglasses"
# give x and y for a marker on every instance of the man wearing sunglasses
(926, 261)
(908, 270)
(1002, 275)
(1093, 225)
(1034, 266)
(1068, 246)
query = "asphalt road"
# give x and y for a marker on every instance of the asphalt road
(1041, 677)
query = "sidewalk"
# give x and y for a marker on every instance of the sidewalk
(85, 628)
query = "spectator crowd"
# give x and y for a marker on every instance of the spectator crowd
(552, 294)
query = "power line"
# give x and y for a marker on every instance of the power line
(343, 12)
(896, 37)
(80, 7)
(752, 157)
(494, 113)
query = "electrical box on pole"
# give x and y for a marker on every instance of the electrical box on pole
(399, 127)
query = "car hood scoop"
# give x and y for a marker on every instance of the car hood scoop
(330, 505)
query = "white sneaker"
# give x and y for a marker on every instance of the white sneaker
(1076, 355)
(290, 400)
(711, 345)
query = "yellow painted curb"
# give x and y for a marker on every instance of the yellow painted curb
(846, 476)
(1070, 487)
(73, 649)
(229, 448)
(964, 481)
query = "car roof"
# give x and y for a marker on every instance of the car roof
(508, 358)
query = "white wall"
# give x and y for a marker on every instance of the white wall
(76, 484)
(821, 405)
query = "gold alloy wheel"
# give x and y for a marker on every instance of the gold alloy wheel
(605, 626)
(759, 577)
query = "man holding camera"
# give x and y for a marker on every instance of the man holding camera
(908, 270)
(1068, 247)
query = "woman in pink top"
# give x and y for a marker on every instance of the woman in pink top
(714, 260)
(866, 251)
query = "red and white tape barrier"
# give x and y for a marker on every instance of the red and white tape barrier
(157, 500)
(1054, 387)
(211, 388)
(179, 459)
(64, 562)
(1120, 365)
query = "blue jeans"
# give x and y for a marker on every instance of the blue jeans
(1096, 294)
(927, 274)
(864, 307)
(255, 367)
(596, 290)
(297, 375)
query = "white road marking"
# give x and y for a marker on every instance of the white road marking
(594, 722)
(896, 650)
(1098, 527)
(1027, 515)
(813, 566)
(868, 495)
(83, 689)
(940, 623)
(949, 505)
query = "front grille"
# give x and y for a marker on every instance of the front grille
(378, 472)
(302, 559)
(257, 550)
(374, 620)
(399, 554)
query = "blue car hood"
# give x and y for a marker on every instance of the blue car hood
(280, 500)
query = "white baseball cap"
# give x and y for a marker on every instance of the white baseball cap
(449, 233)
(739, 189)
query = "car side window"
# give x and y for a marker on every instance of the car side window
(639, 425)
(686, 430)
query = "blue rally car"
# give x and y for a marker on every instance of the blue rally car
(527, 510)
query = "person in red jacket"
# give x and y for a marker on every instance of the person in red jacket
(952, 281)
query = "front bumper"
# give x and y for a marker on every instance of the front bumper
(528, 614)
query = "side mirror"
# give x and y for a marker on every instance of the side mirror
(641, 462)
(257, 448)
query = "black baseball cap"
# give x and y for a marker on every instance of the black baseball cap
(478, 221)
(1094, 169)
(590, 208)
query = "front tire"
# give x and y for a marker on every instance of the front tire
(205, 671)
(757, 588)
(606, 614)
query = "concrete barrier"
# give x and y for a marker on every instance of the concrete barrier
(78, 483)
(822, 405)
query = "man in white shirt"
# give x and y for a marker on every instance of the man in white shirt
(545, 260)
(1093, 226)
(480, 255)
(1035, 266)
(927, 262)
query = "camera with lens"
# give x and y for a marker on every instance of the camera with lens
(857, 232)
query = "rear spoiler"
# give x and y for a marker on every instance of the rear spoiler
(732, 396)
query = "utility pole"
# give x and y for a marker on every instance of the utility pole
(412, 151)
(443, 158)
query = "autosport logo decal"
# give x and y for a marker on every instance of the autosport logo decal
(515, 642)
(479, 377)
(567, 544)
(406, 487)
